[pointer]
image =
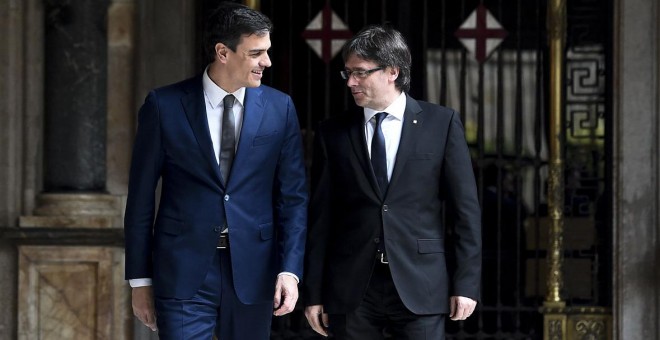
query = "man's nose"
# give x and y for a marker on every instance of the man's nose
(265, 61)
(351, 81)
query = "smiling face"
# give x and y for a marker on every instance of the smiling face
(375, 91)
(245, 66)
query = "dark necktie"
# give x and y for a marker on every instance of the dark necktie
(228, 141)
(378, 155)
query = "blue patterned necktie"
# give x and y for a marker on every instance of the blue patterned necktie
(378, 155)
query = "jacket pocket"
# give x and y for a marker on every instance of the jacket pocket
(431, 245)
(422, 156)
(265, 139)
(168, 225)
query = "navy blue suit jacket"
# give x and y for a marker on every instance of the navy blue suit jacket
(347, 211)
(264, 202)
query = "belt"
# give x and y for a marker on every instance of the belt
(223, 241)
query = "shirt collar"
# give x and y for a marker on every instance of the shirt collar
(215, 94)
(396, 109)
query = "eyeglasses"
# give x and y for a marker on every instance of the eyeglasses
(359, 74)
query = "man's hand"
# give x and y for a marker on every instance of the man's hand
(286, 295)
(461, 307)
(143, 306)
(317, 319)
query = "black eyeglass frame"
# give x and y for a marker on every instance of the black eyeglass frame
(359, 74)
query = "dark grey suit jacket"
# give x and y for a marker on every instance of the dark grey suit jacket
(346, 213)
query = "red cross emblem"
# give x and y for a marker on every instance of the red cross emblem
(480, 33)
(326, 34)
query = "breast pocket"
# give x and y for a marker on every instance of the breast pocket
(422, 156)
(430, 246)
(265, 139)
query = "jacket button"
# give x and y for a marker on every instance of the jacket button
(216, 229)
(226, 198)
(385, 207)
(377, 240)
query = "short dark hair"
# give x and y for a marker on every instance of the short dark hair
(386, 47)
(229, 22)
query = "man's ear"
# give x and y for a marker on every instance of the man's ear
(393, 73)
(221, 52)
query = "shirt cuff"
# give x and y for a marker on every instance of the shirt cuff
(290, 274)
(139, 282)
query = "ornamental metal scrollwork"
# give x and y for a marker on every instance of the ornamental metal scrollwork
(590, 329)
(555, 330)
(585, 94)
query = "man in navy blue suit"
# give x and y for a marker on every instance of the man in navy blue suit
(224, 251)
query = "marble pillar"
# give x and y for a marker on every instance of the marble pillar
(12, 118)
(69, 242)
(75, 95)
(121, 95)
(76, 73)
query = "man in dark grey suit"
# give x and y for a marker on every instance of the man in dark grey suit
(376, 243)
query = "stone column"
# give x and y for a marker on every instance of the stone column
(70, 242)
(75, 40)
(11, 171)
(75, 95)
(121, 94)
(637, 169)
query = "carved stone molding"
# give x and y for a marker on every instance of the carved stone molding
(75, 211)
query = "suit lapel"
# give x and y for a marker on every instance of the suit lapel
(358, 140)
(412, 122)
(253, 113)
(195, 108)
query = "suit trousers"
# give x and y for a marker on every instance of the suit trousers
(213, 310)
(382, 315)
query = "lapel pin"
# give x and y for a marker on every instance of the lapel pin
(414, 121)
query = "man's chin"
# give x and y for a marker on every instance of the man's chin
(358, 101)
(254, 83)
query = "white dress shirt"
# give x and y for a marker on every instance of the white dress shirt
(213, 96)
(391, 126)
